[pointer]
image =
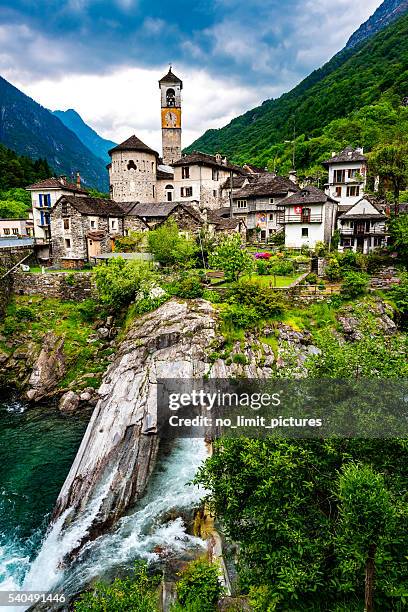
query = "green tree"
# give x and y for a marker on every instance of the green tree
(398, 228)
(13, 209)
(137, 593)
(390, 163)
(366, 515)
(232, 258)
(354, 284)
(118, 282)
(170, 247)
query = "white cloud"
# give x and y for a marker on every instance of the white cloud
(127, 101)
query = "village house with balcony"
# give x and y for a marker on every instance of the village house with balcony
(362, 227)
(347, 176)
(258, 201)
(309, 217)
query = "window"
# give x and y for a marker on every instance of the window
(305, 232)
(339, 176)
(215, 174)
(185, 172)
(171, 97)
(353, 191)
(67, 243)
(93, 224)
(45, 199)
(271, 200)
(306, 215)
(169, 192)
(66, 224)
(6, 231)
(126, 232)
(186, 192)
(131, 165)
(214, 193)
(15, 231)
(113, 224)
(154, 191)
(241, 203)
(271, 217)
(338, 192)
(351, 174)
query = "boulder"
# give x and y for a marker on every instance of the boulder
(48, 369)
(69, 402)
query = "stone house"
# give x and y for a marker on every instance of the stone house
(200, 177)
(309, 217)
(44, 196)
(258, 202)
(347, 176)
(82, 228)
(362, 227)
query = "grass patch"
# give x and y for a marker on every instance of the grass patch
(271, 280)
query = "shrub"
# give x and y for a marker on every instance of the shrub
(239, 358)
(10, 326)
(399, 294)
(333, 270)
(244, 317)
(137, 593)
(320, 249)
(88, 310)
(25, 313)
(71, 279)
(262, 268)
(354, 284)
(134, 243)
(283, 268)
(311, 278)
(119, 281)
(212, 296)
(189, 287)
(264, 299)
(199, 588)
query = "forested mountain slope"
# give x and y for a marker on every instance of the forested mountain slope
(374, 73)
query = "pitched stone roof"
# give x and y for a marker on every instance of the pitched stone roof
(267, 184)
(56, 183)
(307, 195)
(133, 144)
(204, 159)
(349, 154)
(170, 77)
(237, 181)
(164, 176)
(98, 207)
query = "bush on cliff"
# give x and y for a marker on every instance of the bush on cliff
(170, 247)
(119, 281)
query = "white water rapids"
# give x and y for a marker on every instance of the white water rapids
(136, 535)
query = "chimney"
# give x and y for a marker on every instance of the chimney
(78, 180)
(218, 158)
(293, 176)
(63, 180)
(224, 161)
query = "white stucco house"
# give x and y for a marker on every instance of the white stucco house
(310, 217)
(362, 227)
(347, 176)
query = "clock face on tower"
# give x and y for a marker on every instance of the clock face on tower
(171, 118)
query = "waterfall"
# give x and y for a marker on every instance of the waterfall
(136, 535)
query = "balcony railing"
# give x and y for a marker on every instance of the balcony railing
(356, 231)
(303, 219)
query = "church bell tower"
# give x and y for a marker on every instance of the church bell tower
(170, 88)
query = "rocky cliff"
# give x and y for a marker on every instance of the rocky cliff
(388, 12)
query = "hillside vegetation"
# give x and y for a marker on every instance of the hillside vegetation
(356, 98)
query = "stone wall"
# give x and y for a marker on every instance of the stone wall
(76, 286)
(9, 257)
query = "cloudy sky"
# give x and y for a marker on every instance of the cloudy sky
(104, 57)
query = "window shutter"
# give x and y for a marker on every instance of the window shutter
(41, 199)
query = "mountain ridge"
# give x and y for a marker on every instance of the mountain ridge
(29, 129)
(88, 136)
(386, 13)
(354, 78)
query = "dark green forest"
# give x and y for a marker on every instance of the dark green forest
(356, 98)
(16, 172)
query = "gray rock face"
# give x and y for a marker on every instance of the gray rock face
(48, 368)
(69, 402)
(119, 449)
